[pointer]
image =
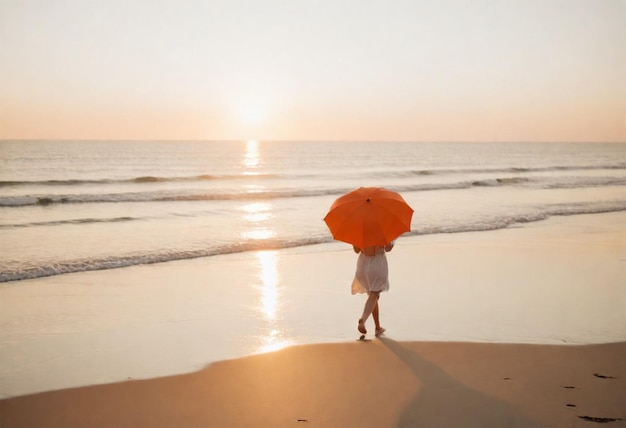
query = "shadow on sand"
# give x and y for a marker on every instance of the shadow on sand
(443, 401)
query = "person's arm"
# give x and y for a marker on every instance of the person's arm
(356, 249)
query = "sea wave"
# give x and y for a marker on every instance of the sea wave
(539, 214)
(290, 176)
(514, 170)
(142, 179)
(246, 195)
(114, 262)
(66, 222)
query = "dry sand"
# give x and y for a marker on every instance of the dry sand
(378, 383)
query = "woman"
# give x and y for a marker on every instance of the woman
(371, 277)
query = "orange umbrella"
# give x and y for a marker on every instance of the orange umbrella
(369, 216)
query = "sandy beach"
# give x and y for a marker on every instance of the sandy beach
(380, 383)
(518, 327)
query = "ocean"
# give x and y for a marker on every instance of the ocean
(72, 206)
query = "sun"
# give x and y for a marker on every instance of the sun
(253, 114)
(251, 110)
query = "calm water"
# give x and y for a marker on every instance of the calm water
(76, 206)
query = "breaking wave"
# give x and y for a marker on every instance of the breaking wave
(73, 221)
(142, 179)
(113, 262)
(262, 176)
(246, 195)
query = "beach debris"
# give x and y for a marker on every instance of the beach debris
(507, 378)
(599, 420)
(571, 405)
(601, 376)
(302, 420)
(569, 387)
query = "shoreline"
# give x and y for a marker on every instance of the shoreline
(552, 282)
(106, 264)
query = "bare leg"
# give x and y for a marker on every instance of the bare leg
(379, 329)
(370, 303)
(375, 316)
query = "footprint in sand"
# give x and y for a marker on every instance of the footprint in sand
(601, 376)
(599, 420)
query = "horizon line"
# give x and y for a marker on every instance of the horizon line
(238, 140)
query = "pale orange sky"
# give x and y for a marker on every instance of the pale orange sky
(439, 70)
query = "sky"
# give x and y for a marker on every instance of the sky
(387, 70)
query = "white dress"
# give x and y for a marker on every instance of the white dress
(371, 272)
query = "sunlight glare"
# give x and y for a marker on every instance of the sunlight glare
(251, 157)
(253, 115)
(257, 211)
(269, 279)
(270, 293)
(258, 234)
(273, 342)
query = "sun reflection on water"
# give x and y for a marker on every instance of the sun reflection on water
(270, 294)
(258, 234)
(274, 342)
(251, 157)
(257, 214)
(269, 279)
(256, 211)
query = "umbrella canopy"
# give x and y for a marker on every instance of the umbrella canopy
(369, 216)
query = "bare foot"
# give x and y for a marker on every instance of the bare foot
(379, 331)
(361, 327)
